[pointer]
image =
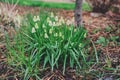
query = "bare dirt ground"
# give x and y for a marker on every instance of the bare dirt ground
(95, 25)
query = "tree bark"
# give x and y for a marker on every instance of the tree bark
(78, 13)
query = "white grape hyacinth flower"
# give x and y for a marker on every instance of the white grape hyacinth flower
(58, 24)
(33, 30)
(52, 15)
(50, 31)
(56, 34)
(56, 18)
(50, 23)
(48, 19)
(36, 26)
(68, 22)
(54, 24)
(62, 20)
(36, 18)
(43, 26)
(46, 35)
(80, 45)
(60, 34)
(73, 20)
(75, 30)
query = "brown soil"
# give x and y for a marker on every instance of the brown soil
(95, 25)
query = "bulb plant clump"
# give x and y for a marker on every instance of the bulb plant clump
(48, 42)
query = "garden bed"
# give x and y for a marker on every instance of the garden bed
(103, 31)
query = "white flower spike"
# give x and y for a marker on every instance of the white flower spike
(60, 34)
(46, 36)
(48, 19)
(50, 31)
(56, 34)
(43, 26)
(68, 22)
(33, 30)
(36, 18)
(80, 45)
(54, 24)
(56, 18)
(52, 15)
(50, 23)
(62, 20)
(36, 26)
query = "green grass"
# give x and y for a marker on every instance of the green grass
(66, 6)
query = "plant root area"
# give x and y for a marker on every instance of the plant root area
(100, 27)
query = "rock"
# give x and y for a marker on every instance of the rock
(96, 14)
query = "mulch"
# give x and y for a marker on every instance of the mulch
(95, 25)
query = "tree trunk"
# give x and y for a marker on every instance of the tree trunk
(78, 13)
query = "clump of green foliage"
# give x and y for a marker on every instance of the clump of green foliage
(47, 42)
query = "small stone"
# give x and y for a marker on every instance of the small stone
(96, 14)
(108, 78)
